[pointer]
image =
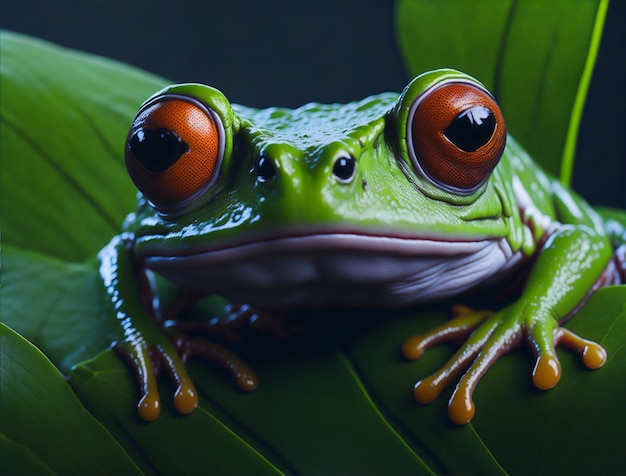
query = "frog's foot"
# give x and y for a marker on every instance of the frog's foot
(147, 363)
(227, 328)
(489, 336)
(277, 323)
(280, 324)
(239, 316)
(462, 323)
(245, 378)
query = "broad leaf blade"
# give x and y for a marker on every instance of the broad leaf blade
(195, 444)
(452, 449)
(582, 417)
(311, 403)
(536, 57)
(63, 119)
(56, 305)
(310, 415)
(42, 423)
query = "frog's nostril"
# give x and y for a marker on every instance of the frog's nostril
(265, 169)
(344, 168)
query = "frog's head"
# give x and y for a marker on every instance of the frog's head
(387, 177)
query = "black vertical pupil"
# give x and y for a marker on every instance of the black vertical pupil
(471, 129)
(343, 167)
(157, 149)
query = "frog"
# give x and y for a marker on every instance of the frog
(394, 201)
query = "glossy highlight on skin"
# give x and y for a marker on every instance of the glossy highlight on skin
(547, 372)
(593, 354)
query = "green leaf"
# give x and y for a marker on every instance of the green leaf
(582, 417)
(338, 399)
(197, 444)
(452, 449)
(57, 305)
(309, 416)
(43, 427)
(535, 56)
(65, 115)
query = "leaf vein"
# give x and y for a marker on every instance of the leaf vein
(502, 50)
(77, 186)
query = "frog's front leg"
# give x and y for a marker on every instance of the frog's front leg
(141, 339)
(569, 268)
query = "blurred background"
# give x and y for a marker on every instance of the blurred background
(285, 53)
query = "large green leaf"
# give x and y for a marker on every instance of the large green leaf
(64, 117)
(335, 400)
(535, 56)
(581, 418)
(57, 304)
(44, 428)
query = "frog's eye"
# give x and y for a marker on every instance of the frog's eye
(456, 135)
(173, 150)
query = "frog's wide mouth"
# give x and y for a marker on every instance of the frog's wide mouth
(330, 269)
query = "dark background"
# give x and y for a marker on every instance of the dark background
(286, 53)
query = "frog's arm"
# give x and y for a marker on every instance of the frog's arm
(569, 266)
(139, 339)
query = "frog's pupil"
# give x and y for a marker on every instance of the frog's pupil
(157, 149)
(344, 167)
(265, 169)
(471, 129)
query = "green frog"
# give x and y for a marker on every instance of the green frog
(388, 202)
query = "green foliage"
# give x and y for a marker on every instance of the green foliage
(536, 57)
(45, 429)
(333, 401)
(64, 119)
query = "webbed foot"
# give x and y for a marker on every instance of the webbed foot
(488, 336)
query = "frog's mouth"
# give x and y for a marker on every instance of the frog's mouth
(337, 269)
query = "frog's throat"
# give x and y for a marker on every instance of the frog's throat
(339, 270)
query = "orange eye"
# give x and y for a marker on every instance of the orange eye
(456, 136)
(173, 150)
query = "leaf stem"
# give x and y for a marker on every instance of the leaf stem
(567, 162)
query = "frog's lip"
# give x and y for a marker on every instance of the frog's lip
(332, 269)
(322, 239)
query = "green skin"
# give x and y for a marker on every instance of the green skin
(301, 212)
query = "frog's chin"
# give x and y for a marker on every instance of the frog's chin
(339, 269)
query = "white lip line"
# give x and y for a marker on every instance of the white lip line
(338, 241)
(338, 269)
